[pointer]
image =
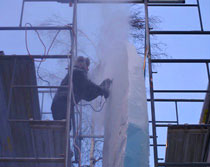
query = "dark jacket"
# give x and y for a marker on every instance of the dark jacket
(83, 89)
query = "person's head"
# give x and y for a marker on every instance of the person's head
(82, 63)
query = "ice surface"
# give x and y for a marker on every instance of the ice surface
(126, 142)
(137, 146)
(124, 119)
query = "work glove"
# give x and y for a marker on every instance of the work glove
(105, 85)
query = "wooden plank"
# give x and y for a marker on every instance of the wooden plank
(21, 105)
(185, 144)
(25, 115)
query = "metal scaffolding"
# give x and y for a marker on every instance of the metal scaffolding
(40, 124)
(152, 100)
(73, 31)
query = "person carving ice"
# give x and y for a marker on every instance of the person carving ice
(83, 89)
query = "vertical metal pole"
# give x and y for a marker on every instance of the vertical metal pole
(74, 129)
(70, 70)
(22, 10)
(11, 87)
(80, 131)
(34, 145)
(75, 27)
(208, 73)
(147, 47)
(145, 54)
(68, 113)
(177, 114)
(42, 104)
(199, 13)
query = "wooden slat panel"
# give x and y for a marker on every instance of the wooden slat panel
(185, 144)
(25, 105)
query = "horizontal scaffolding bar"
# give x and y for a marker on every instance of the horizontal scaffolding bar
(180, 32)
(177, 100)
(35, 28)
(152, 137)
(127, 1)
(181, 91)
(163, 125)
(180, 60)
(46, 91)
(164, 121)
(184, 164)
(35, 86)
(109, 1)
(37, 56)
(90, 136)
(159, 145)
(173, 5)
(184, 125)
(89, 1)
(31, 159)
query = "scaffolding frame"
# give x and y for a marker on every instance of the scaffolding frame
(73, 30)
(47, 124)
(152, 100)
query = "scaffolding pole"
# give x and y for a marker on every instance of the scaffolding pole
(148, 54)
(69, 100)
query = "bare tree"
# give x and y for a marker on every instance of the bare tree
(137, 31)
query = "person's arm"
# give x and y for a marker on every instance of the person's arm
(86, 88)
(92, 91)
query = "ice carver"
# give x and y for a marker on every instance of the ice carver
(83, 89)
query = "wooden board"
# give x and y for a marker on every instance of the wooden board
(185, 143)
(19, 139)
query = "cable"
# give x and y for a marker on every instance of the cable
(87, 38)
(53, 41)
(26, 42)
(48, 54)
(77, 131)
(94, 109)
(40, 77)
(45, 53)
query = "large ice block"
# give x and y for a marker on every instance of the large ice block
(124, 116)
(137, 145)
(126, 141)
